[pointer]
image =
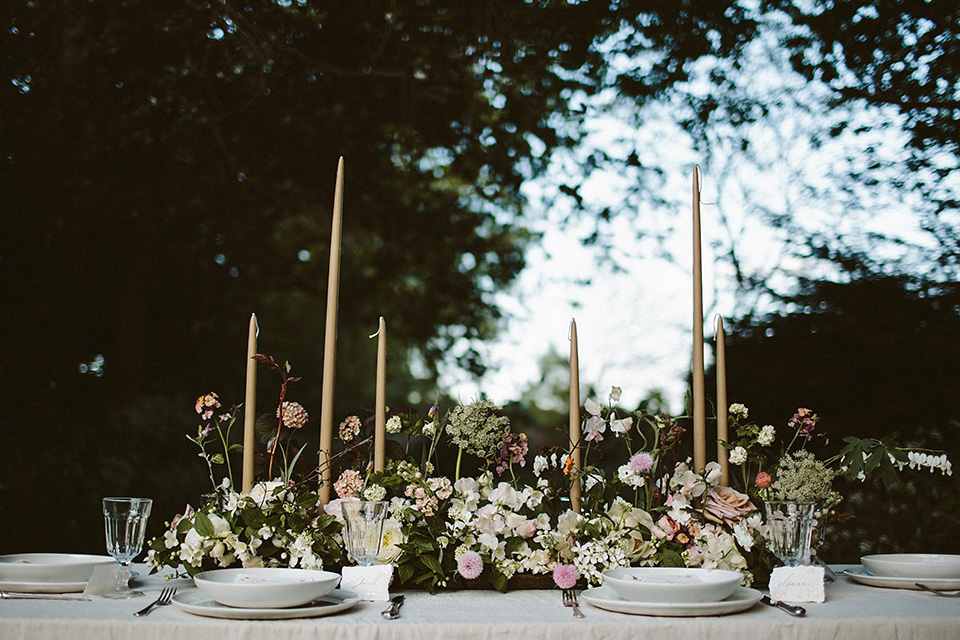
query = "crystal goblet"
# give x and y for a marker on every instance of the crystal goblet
(791, 530)
(363, 529)
(125, 520)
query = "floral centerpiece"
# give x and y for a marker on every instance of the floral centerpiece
(489, 526)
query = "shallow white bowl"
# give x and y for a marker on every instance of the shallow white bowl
(922, 566)
(673, 585)
(50, 567)
(265, 588)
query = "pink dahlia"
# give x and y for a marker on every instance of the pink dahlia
(470, 565)
(565, 576)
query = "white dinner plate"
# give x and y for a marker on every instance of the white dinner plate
(923, 566)
(606, 598)
(14, 586)
(50, 567)
(198, 604)
(861, 575)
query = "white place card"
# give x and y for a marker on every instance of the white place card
(797, 584)
(370, 583)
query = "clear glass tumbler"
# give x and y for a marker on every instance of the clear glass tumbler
(791, 529)
(363, 529)
(125, 520)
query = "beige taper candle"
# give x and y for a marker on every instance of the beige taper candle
(722, 404)
(575, 435)
(699, 400)
(380, 428)
(330, 342)
(250, 407)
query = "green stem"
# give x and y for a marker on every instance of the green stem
(459, 457)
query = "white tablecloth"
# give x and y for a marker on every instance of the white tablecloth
(852, 611)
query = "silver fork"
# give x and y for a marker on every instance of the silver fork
(938, 591)
(570, 600)
(165, 597)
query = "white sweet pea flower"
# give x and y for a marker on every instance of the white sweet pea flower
(621, 426)
(592, 407)
(567, 522)
(615, 393)
(539, 465)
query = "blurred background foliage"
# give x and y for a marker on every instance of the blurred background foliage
(167, 167)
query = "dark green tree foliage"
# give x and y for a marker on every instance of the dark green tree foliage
(168, 167)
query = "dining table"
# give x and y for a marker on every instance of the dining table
(851, 611)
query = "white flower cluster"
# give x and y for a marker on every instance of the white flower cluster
(918, 460)
(630, 476)
(738, 455)
(738, 410)
(486, 519)
(211, 535)
(394, 425)
(767, 435)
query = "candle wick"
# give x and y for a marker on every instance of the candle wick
(379, 327)
(573, 323)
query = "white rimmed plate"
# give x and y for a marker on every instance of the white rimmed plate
(606, 598)
(861, 575)
(922, 566)
(50, 567)
(672, 584)
(42, 587)
(265, 588)
(198, 604)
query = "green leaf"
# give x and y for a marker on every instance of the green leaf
(498, 580)
(404, 573)
(669, 558)
(217, 458)
(432, 563)
(874, 460)
(513, 544)
(203, 525)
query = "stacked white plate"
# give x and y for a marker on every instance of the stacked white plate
(666, 591)
(48, 572)
(905, 570)
(265, 594)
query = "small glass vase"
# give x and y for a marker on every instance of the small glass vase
(791, 530)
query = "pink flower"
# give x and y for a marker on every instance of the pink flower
(187, 513)
(594, 428)
(349, 485)
(470, 565)
(527, 529)
(763, 480)
(565, 576)
(728, 505)
(642, 462)
(666, 528)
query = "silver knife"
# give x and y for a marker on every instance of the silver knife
(791, 609)
(393, 611)
(4, 595)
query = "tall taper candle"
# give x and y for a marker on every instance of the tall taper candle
(722, 404)
(330, 342)
(699, 401)
(380, 429)
(574, 417)
(250, 406)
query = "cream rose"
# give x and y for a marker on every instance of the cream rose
(728, 505)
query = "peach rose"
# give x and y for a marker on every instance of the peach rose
(728, 505)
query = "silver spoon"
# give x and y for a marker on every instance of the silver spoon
(791, 609)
